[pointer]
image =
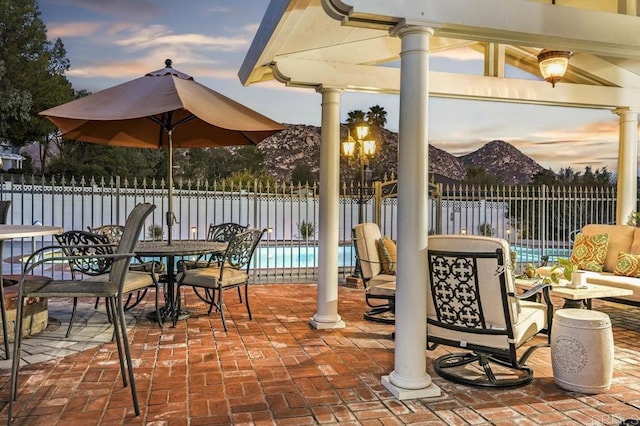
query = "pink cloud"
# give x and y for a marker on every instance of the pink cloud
(73, 29)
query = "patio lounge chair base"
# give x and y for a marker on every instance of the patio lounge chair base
(455, 367)
(384, 314)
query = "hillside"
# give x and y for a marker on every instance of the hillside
(300, 144)
(505, 161)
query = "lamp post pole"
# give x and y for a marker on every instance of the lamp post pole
(365, 148)
(362, 182)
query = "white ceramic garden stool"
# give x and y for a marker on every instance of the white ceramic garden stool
(582, 350)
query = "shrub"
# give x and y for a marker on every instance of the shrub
(486, 230)
(306, 230)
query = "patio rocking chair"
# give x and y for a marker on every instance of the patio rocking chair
(472, 304)
(96, 257)
(232, 272)
(379, 287)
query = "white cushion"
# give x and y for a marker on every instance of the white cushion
(366, 235)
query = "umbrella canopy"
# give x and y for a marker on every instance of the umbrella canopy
(163, 109)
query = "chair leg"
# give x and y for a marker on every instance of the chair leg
(177, 307)
(73, 316)
(224, 323)
(119, 314)
(246, 298)
(158, 316)
(5, 331)
(212, 300)
(97, 303)
(240, 294)
(116, 335)
(15, 364)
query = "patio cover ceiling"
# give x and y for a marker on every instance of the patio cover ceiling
(347, 44)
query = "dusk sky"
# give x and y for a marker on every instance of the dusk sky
(112, 41)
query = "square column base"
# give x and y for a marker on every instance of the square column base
(326, 325)
(431, 391)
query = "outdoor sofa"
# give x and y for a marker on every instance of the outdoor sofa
(616, 250)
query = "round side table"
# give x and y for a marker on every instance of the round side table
(582, 350)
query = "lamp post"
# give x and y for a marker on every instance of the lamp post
(365, 150)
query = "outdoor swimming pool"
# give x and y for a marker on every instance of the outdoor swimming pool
(307, 256)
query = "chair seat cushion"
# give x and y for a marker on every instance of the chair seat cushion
(70, 288)
(531, 319)
(382, 285)
(210, 277)
(134, 280)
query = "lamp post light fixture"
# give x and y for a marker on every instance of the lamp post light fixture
(553, 64)
(364, 149)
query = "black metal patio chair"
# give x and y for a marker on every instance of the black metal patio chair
(232, 272)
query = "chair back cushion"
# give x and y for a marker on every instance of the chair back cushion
(112, 232)
(469, 287)
(366, 236)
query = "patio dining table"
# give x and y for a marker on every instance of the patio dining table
(180, 248)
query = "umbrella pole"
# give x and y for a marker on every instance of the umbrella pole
(170, 216)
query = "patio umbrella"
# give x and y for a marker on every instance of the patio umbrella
(163, 109)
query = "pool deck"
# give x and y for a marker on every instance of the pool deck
(277, 370)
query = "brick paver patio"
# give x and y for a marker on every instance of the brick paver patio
(276, 369)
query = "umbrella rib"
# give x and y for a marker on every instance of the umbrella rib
(184, 120)
(167, 125)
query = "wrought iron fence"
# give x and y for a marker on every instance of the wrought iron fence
(537, 221)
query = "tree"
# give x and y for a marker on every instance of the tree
(247, 158)
(15, 105)
(544, 177)
(354, 118)
(303, 174)
(251, 181)
(107, 161)
(206, 164)
(33, 67)
(377, 117)
(479, 176)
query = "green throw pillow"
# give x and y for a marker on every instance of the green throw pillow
(627, 265)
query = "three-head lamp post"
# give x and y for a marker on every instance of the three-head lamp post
(364, 148)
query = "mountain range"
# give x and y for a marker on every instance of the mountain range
(300, 144)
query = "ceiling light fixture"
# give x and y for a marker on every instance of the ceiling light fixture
(553, 64)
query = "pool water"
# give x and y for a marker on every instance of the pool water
(306, 256)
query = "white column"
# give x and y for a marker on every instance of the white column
(409, 379)
(627, 164)
(328, 238)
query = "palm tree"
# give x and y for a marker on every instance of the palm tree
(354, 118)
(377, 116)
